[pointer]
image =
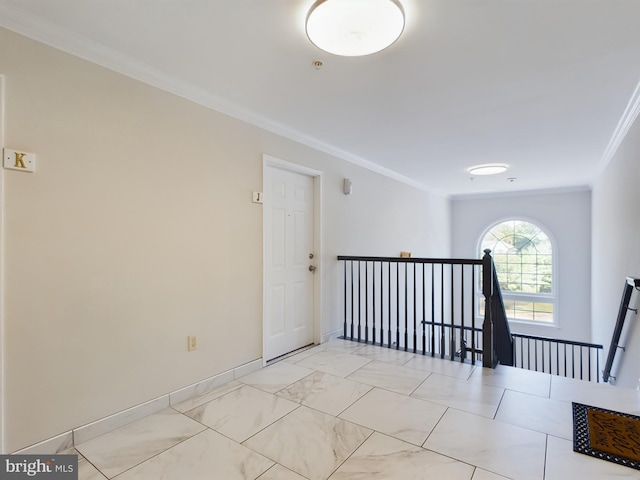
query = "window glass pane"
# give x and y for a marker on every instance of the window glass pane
(523, 258)
(529, 311)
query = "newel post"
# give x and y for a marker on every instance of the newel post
(489, 358)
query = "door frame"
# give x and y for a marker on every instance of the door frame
(270, 162)
(2, 330)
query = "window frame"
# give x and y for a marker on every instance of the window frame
(551, 297)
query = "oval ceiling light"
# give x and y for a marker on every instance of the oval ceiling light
(353, 28)
(488, 169)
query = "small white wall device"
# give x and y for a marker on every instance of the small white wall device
(347, 187)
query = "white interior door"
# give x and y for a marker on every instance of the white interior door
(289, 282)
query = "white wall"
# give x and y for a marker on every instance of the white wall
(380, 218)
(138, 229)
(567, 217)
(616, 250)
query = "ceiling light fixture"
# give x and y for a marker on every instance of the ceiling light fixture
(488, 169)
(353, 28)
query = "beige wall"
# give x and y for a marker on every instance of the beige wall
(137, 229)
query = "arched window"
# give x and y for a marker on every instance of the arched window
(523, 257)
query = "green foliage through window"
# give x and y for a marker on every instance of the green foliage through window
(523, 258)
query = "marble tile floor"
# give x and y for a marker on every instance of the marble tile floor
(345, 411)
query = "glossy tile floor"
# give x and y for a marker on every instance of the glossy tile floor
(344, 410)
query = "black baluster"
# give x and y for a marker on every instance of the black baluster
(344, 329)
(366, 302)
(442, 332)
(359, 300)
(473, 314)
(381, 305)
(463, 352)
(521, 352)
(424, 308)
(373, 302)
(397, 305)
(406, 306)
(452, 334)
(352, 301)
(433, 309)
(389, 298)
(415, 338)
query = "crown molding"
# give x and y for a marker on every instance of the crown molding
(624, 124)
(521, 193)
(31, 26)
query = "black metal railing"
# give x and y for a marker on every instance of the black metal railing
(424, 305)
(431, 306)
(558, 357)
(629, 285)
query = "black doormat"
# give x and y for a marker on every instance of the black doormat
(608, 435)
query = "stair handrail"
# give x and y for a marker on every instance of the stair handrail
(629, 285)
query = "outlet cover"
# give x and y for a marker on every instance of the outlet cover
(192, 343)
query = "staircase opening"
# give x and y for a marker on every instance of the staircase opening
(431, 306)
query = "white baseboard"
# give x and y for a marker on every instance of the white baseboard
(84, 433)
(332, 335)
(95, 429)
(52, 445)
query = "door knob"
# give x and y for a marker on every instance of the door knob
(312, 268)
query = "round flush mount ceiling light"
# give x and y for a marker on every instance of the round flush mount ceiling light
(488, 169)
(353, 28)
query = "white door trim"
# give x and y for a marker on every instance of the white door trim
(2, 416)
(272, 162)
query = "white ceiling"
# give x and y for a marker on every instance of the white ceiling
(541, 85)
